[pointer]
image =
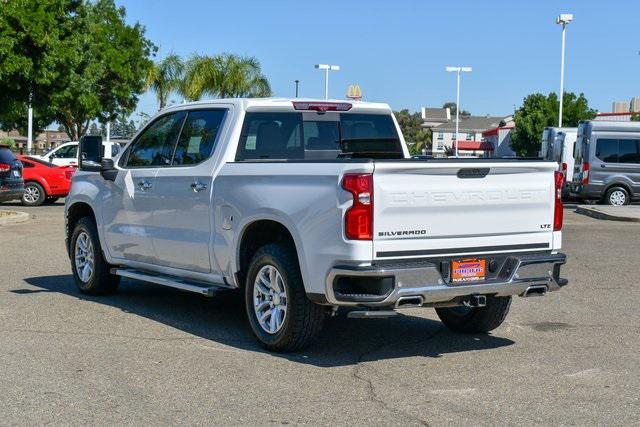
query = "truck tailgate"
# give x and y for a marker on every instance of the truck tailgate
(433, 208)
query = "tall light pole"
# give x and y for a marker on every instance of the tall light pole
(297, 82)
(327, 68)
(458, 70)
(563, 20)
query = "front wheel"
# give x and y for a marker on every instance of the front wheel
(476, 319)
(90, 271)
(280, 314)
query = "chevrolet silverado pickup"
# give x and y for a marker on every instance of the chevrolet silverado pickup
(310, 206)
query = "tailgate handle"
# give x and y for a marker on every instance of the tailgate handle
(473, 172)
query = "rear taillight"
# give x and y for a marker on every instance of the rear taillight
(585, 173)
(558, 211)
(358, 220)
(5, 167)
(564, 169)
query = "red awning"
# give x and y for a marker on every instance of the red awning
(473, 145)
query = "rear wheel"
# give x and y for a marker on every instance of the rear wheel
(280, 314)
(617, 196)
(90, 271)
(476, 319)
(34, 194)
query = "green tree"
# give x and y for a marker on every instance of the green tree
(165, 77)
(635, 117)
(539, 111)
(36, 44)
(224, 76)
(73, 60)
(10, 142)
(415, 136)
(109, 65)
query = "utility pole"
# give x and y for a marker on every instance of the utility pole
(563, 20)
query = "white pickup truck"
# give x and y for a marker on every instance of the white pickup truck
(308, 206)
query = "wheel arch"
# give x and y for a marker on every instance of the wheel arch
(42, 182)
(256, 234)
(75, 212)
(623, 185)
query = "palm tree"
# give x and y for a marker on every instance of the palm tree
(165, 77)
(224, 76)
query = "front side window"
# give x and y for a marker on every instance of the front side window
(154, 147)
(198, 136)
(607, 150)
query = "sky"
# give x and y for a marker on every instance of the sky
(397, 50)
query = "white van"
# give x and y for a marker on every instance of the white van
(67, 154)
(557, 146)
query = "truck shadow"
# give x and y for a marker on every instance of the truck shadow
(343, 341)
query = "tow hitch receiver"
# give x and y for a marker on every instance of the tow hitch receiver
(475, 301)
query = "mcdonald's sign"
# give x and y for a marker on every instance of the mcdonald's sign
(354, 92)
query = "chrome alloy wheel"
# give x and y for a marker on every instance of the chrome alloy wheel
(270, 299)
(84, 257)
(31, 194)
(618, 198)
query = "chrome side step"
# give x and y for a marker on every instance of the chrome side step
(205, 289)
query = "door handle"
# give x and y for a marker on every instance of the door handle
(144, 185)
(198, 187)
(603, 166)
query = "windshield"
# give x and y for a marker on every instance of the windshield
(310, 135)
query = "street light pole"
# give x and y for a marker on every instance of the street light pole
(458, 70)
(563, 20)
(297, 83)
(327, 68)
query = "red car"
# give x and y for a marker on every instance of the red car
(44, 182)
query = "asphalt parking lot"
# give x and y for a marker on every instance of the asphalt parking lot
(152, 355)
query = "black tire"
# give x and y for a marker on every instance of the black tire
(615, 194)
(478, 319)
(100, 281)
(34, 194)
(303, 319)
(51, 200)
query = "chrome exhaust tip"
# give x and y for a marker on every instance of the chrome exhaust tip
(536, 291)
(411, 301)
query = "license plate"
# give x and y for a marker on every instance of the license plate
(16, 174)
(468, 270)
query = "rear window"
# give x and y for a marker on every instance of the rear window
(6, 156)
(313, 136)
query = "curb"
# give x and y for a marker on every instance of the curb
(594, 213)
(15, 218)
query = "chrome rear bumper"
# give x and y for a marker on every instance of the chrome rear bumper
(427, 282)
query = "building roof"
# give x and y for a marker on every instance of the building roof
(473, 145)
(435, 114)
(471, 123)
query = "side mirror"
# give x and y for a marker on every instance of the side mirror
(90, 153)
(108, 170)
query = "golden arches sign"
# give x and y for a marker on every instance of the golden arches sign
(354, 92)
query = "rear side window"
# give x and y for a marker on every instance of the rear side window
(6, 156)
(198, 137)
(607, 150)
(629, 151)
(154, 147)
(618, 150)
(312, 136)
(68, 152)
